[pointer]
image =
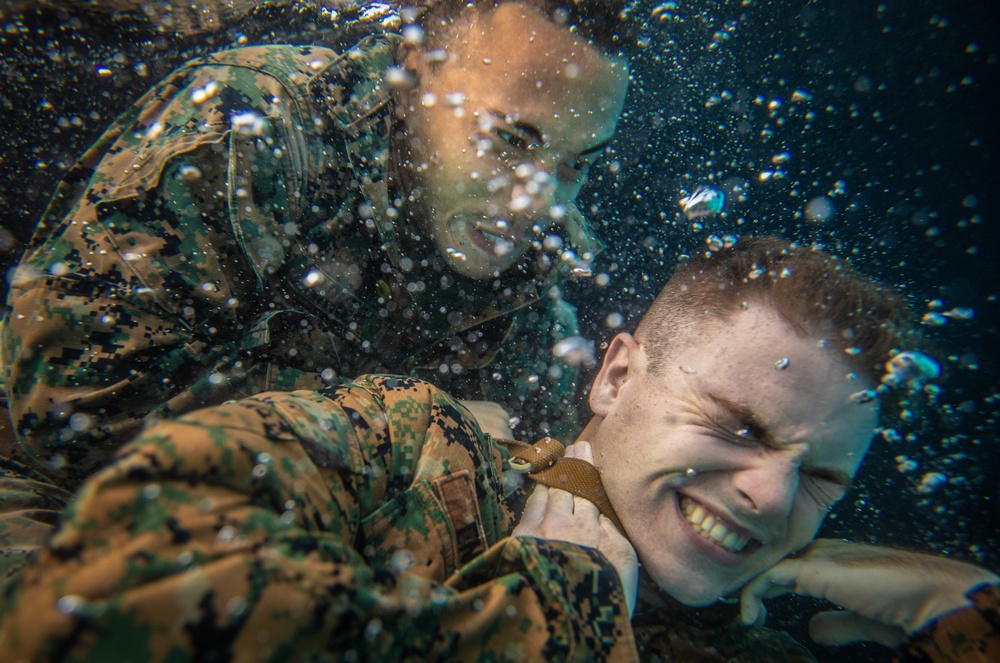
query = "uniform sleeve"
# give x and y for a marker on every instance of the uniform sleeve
(533, 384)
(253, 531)
(136, 294)
(969, 635)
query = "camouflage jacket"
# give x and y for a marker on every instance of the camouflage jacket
(235, 232)
(970, 635)
(364, 522)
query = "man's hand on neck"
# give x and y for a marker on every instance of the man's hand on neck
(557, 515)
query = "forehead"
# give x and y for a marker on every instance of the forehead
(798, 388)
(520, 62)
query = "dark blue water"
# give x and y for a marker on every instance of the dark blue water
(899, 133)
(882, 116)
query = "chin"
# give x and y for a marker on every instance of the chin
(474, 271)
(694, 590)
(695, 598)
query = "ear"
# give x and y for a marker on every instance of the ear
(624, 355)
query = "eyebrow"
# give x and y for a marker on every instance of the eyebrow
(506, 119)
(746, 417)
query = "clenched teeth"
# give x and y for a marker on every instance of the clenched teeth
(711, 528)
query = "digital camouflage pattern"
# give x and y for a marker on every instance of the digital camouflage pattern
(235, 232)
(365, 522)
(362, 522)
(368, 521)
(971, 635)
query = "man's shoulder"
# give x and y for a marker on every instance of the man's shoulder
(300, 64)
(376, 408)
(277, 57)
(391, 392)
(291, 65)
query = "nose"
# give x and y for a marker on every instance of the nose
(534, 192)
(768, 487)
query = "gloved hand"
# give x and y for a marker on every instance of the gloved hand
(886, 594)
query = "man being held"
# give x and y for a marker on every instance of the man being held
(372, 521)
(276, 217)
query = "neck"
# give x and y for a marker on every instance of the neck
(590, 430)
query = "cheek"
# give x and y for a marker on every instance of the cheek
(805, 524)
(568, 191)
(441, 137)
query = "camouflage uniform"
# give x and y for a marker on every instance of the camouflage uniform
(236, 232)
(363, 522)
(968, 635)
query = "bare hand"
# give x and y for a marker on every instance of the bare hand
(492, 418)
(561, 516)
(886, 594)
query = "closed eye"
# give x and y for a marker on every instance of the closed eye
(823, 492)
(741, 435)
(826, 488)
(519, 135)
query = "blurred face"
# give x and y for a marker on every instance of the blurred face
(501, 133)
(726, 463)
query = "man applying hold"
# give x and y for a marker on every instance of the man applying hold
(282, 216)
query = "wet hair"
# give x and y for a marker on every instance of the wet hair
(608, 24)
(816, 294)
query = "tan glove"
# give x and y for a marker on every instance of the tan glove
(886, 594)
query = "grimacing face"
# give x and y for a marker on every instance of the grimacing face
(501, 133)
(749, 434)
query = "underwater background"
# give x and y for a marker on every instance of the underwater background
(870, 128)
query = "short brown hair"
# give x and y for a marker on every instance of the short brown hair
(607, 24)
(814, 292)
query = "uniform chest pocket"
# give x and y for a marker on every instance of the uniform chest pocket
(431, 529)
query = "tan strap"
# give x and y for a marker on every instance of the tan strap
(543, 461)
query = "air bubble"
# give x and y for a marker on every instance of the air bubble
(80, 422)
(71, 604)
(703, 201)
(819, 209)
(575, 351)
(931, 482)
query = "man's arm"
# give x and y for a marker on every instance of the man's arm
(135, 298)
(966, 635)
(888, 596)
(300, 525)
